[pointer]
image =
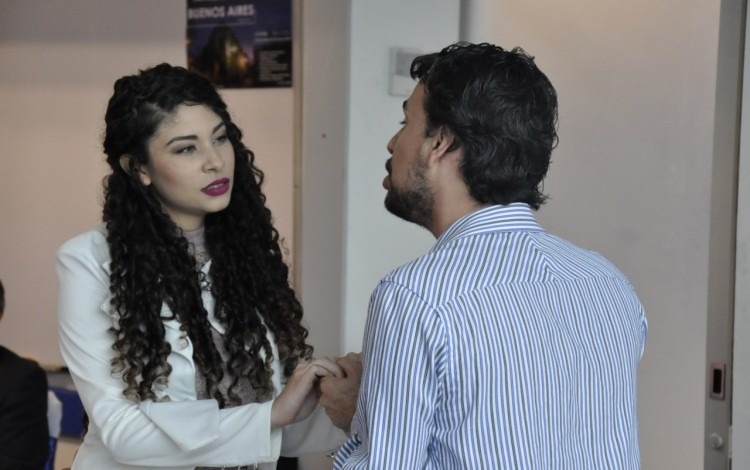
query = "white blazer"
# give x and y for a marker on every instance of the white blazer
(181, 433)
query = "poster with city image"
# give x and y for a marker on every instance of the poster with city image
(241, 43)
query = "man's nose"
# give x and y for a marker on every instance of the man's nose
(391, 143)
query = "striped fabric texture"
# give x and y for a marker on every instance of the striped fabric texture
(504, 347)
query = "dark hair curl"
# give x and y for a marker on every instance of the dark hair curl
(151, 264)
(502, 112)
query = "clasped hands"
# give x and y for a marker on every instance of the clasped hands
(334, 383)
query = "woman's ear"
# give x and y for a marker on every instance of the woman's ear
(128, 163)
(125, 161)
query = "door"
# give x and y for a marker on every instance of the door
(741, 380)
(724, 240)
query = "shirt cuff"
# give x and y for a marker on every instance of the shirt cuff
(346, 451)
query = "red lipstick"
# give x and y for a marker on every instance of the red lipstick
(217, 188)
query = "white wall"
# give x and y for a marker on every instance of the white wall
(322, 105)
(59, 62)
(376, 241)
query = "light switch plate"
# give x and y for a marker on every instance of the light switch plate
(401, 82)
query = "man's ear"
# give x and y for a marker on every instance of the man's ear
(442, 140)
(128, 163)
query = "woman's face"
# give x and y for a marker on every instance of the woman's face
(191, 165)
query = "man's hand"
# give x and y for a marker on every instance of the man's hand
(339, 394)
(299, 398)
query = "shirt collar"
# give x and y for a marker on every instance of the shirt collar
(515, 217)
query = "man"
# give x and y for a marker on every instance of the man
(504, 347)
(24, 437)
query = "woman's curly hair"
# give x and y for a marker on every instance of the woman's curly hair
(151, 265)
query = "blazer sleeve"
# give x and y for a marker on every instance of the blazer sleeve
(314, 434)
(177, 433)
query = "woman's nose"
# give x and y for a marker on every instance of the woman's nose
(214, 160)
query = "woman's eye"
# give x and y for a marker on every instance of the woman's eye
(221, 139)
(402, 122)
(184, 150)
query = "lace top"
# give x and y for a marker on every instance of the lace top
(243, 392)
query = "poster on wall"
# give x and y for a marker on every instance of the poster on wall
(241, 43)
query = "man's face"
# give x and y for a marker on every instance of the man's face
(409, 193)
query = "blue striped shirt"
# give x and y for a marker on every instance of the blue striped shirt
(504, 347)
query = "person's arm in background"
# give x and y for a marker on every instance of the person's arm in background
(24, 434)
(402, 359)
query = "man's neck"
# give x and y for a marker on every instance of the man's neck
(452, 199)
(447, 213)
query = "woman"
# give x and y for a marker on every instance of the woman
(176, 318)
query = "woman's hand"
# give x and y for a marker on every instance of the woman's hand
(299, 397)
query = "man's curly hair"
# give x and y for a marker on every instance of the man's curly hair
(502, 112)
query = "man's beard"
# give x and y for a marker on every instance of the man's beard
(412, 204)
